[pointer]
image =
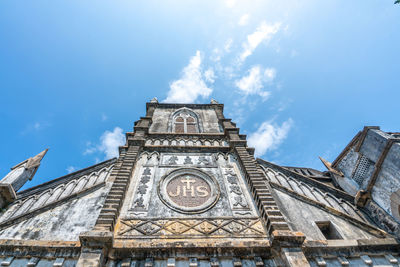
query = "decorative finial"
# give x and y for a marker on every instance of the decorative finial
(213, 101)
(328, 165)
(17, 177)
(35, 161)
(154, 100)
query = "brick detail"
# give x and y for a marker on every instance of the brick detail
(265, 202)
(121, 175)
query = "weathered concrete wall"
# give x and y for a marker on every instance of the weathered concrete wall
(161, 118)
(302, 217)
(346, 166)
(64, 222)
(388, 180)
(373, 144)
(155, 208)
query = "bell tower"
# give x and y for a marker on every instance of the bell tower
(186, 186)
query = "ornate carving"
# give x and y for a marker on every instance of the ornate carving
(190, 141)
(203, 160)
(139, 203)
(232, 179)
(145, 179)
(235, 189)
(191, 228)
(142, 189)
(239, 201)
(194, 159)
(188, 190)
(173, 160)
(235, 193)
(188, 160)
(147, 171)
(142, 196)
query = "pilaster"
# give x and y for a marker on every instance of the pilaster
(261, 193)
(294, 257)
(96, 243)
(285, 242)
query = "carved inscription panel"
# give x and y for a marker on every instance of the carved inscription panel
(180, 185)
(189, 190)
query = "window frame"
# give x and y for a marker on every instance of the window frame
(188, 124)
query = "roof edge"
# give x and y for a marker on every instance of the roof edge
(181, 105)
(332, 190)
(64, 178)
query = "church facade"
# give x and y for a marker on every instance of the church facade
(186, 190)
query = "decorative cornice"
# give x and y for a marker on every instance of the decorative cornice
(176, 106)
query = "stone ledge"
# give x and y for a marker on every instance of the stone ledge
(38, 243)
(185, 245)
(96, 239)
(341, 243)
(285, 238)
(350, 248)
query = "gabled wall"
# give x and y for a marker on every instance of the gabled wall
(162, 116)
(61, 223)
(303, 217)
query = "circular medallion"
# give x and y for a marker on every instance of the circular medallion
(188, 190)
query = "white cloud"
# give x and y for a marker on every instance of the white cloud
(35, 127)
(264, 32)
(110, 141)
(252, 84)
(90, 148)
(218, 53)
(269, 74)
(230, 3)
(71, 169)
(228, 45)
(244, 20)
(269, 136)
(104, 117)
(191, 84)
(209, 75)
(215, 55)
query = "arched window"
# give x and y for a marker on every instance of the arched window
(179, 124)
(185, 121)
(185, 124)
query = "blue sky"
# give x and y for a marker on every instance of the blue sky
(299, 77)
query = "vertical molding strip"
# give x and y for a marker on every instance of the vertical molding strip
(115, 197)
(266, 204)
